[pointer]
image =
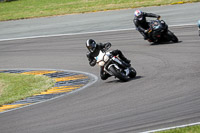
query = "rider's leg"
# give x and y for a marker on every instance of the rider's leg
(121, 56)
(145, 35)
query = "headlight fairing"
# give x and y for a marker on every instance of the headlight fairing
(101, 63)
(106, 58)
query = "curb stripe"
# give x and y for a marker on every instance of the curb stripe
(75, 77)
(42, 72)
(61, 89)
(7, 107)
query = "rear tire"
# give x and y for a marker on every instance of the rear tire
(118, 74)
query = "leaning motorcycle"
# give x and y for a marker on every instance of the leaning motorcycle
(158, 32)
(199, 27)
(114, 66)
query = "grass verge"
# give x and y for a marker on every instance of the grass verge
(189, 129)
(21, 9)
(15, 87)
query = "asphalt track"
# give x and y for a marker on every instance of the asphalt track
(164, 94)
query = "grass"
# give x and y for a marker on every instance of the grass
(22, 9)
(15, 87)
(189, 129)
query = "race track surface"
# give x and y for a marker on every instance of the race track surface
(165, 92)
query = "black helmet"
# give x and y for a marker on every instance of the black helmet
(91, 45)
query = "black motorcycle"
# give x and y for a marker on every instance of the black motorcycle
(158, 32)
(199, 27)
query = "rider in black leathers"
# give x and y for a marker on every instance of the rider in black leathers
(141, 23)
(94, 50)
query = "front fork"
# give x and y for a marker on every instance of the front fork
(120, 63)
(127, 71)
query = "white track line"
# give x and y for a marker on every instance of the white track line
(82, 33)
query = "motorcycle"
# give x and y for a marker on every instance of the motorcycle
(114, 66)
(199, 27)
(158, 32)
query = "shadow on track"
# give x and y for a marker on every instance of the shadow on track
(119, 81)
(163, 43)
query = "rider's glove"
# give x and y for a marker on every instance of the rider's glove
(146, 31)
(108, 45)
(88, 55)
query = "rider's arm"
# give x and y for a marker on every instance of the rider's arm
(151, 15)
(91, 59)
(92, 62)
(138, 27)
(105, 45)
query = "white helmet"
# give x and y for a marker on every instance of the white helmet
(138, 14)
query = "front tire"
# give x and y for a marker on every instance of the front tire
(132, 73)
(172, 36)
(118, 74)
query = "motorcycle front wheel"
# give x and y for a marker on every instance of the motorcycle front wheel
(117, 73)
(132, 73)
(172, 36)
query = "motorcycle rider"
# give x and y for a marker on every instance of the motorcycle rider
(199, 26)
(141, 23)
(94, 50)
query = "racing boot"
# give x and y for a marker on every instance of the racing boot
(127, 61)
(122, 57)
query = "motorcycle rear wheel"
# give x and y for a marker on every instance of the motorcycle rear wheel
(119, 74)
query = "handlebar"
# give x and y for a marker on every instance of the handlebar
(107, 46)
(149, 30)
(159, 18)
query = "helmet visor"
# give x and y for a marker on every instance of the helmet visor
(140, 17)
(92, 47)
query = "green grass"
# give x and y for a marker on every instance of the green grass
(21, 9)
(14, 87)
(189, 129)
